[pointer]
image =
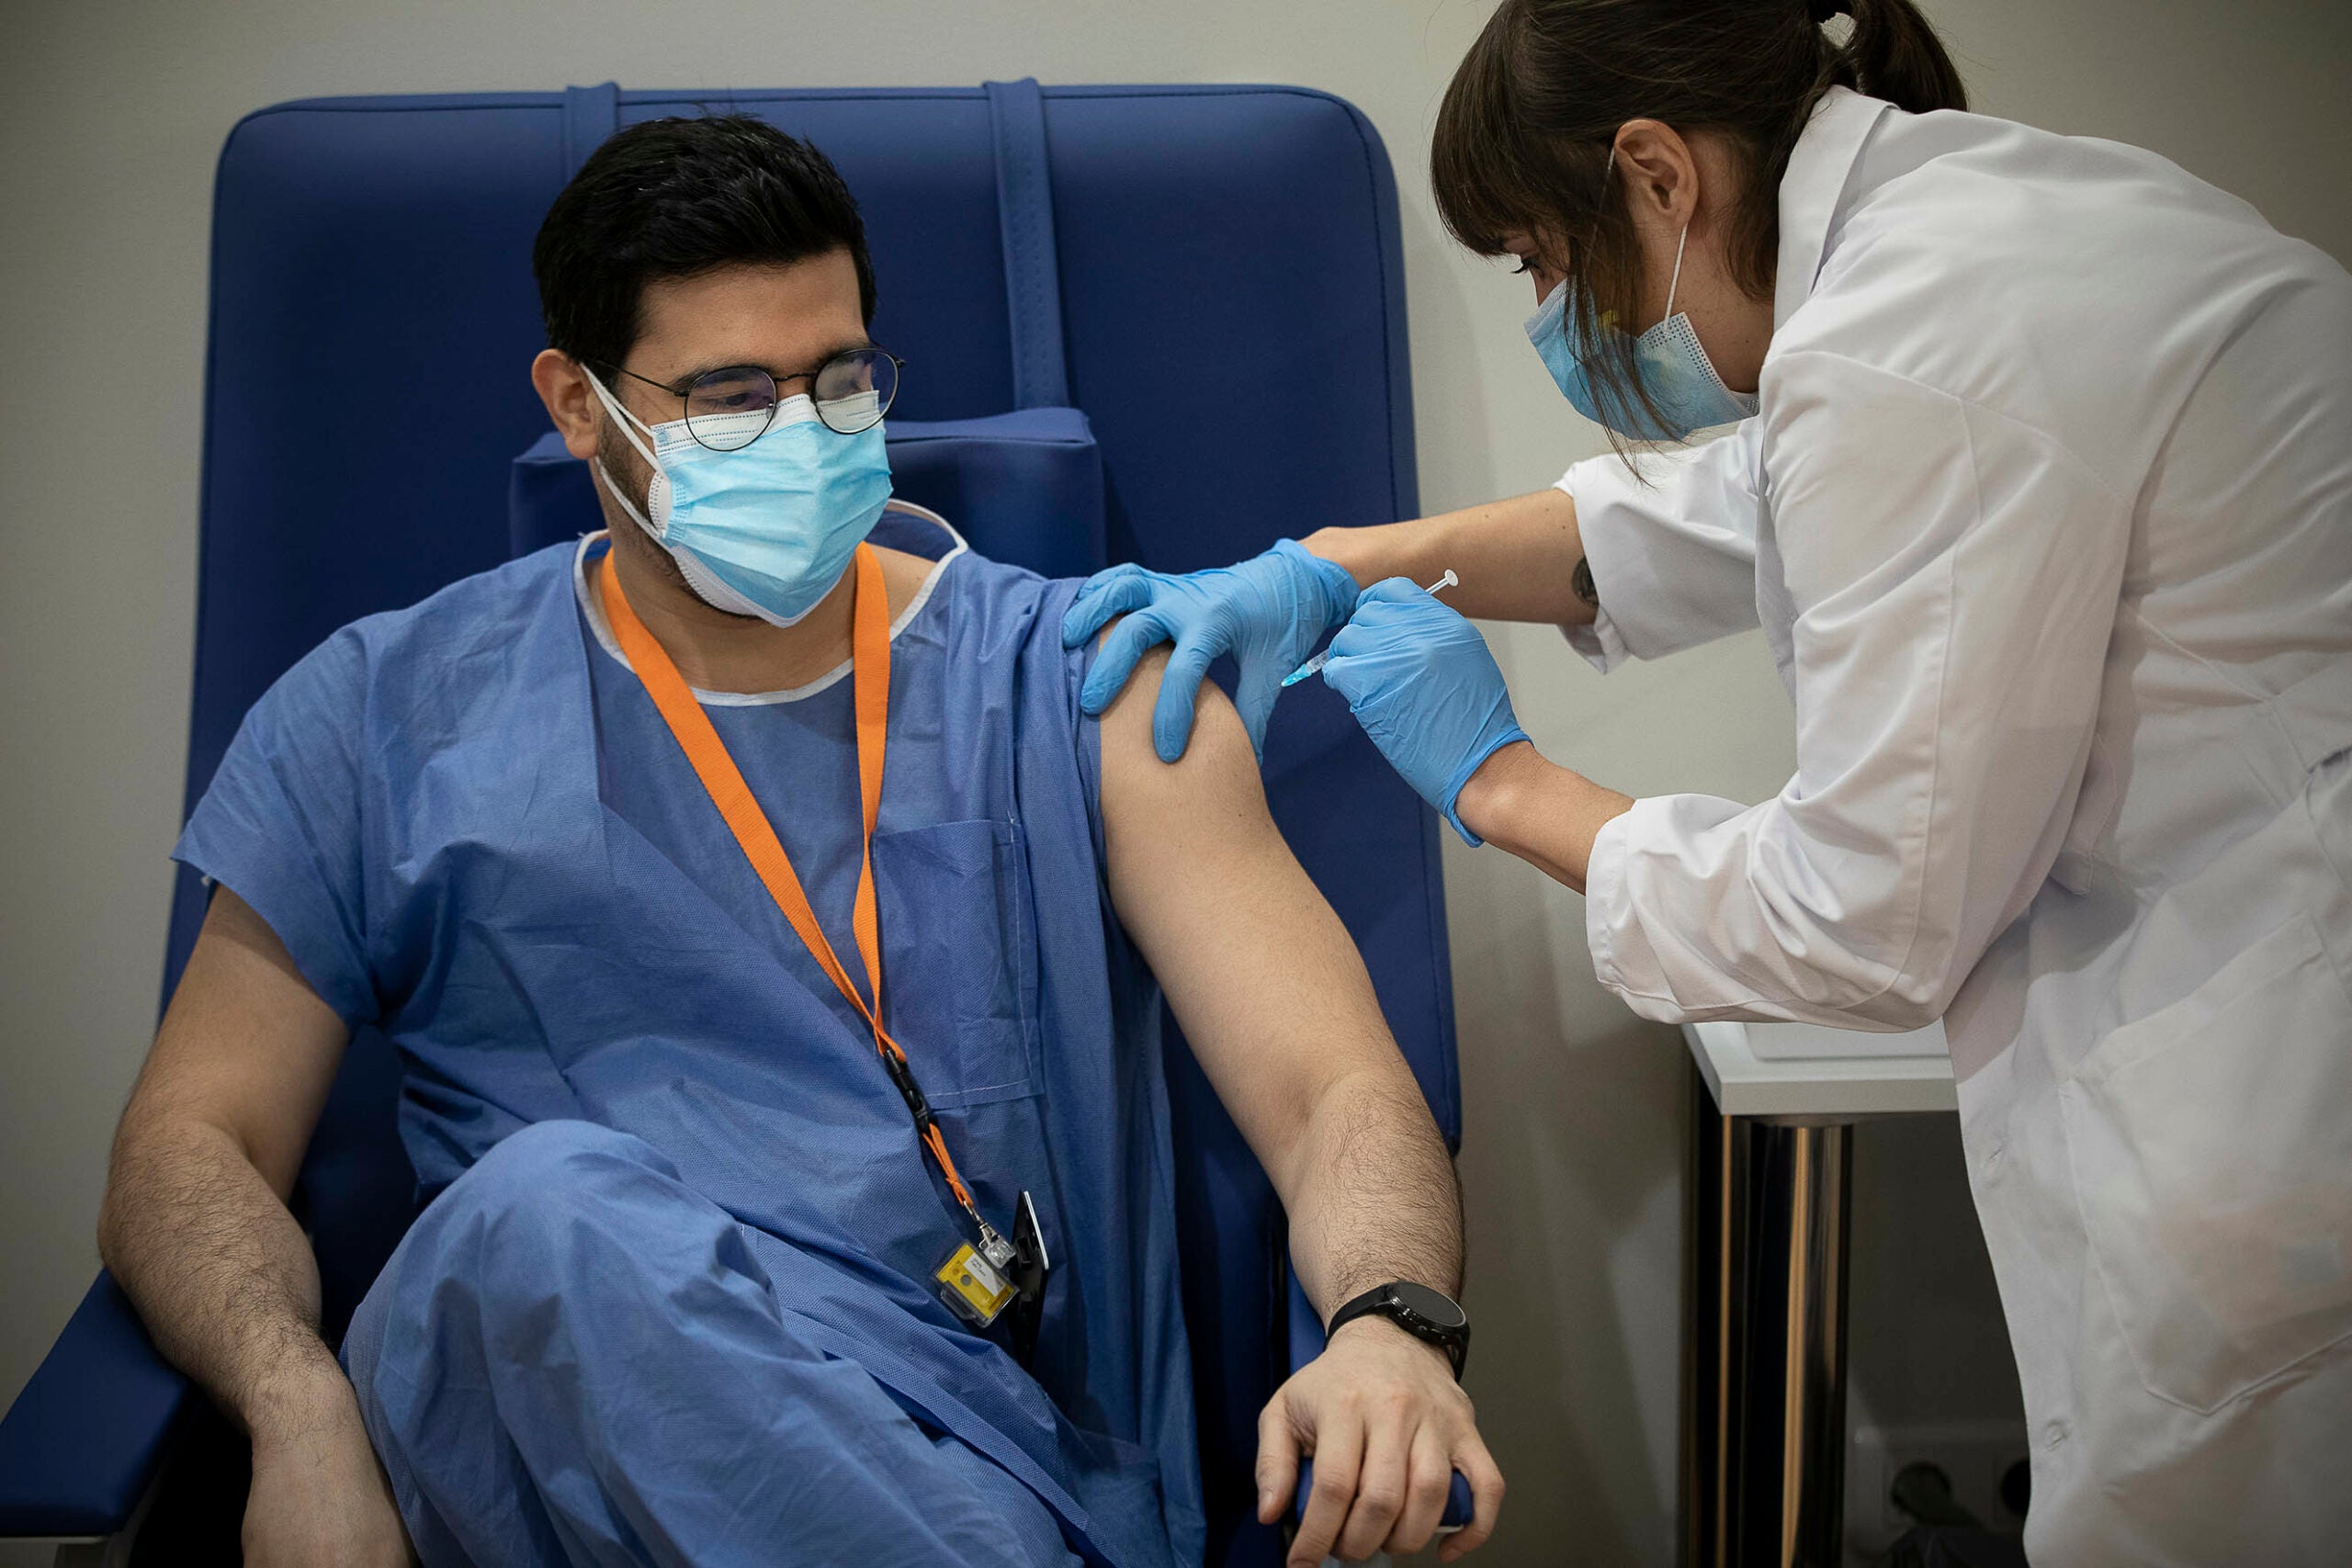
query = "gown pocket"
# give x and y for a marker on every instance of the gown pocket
(2211, 1151)
(960, 958)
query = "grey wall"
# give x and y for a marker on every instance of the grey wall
(111, 117)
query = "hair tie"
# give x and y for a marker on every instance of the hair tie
(1822, 10)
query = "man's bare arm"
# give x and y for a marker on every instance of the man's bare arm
(195, 1226)
(1274, 999)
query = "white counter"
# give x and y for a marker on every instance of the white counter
(1876, 1081)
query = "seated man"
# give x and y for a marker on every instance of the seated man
(715, 1264)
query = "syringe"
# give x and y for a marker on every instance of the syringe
(1321, 660)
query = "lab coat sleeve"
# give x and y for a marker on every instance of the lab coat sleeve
(1672, 547)
(1956, 576)
(280, 823)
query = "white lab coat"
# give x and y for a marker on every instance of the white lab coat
(2047, 517)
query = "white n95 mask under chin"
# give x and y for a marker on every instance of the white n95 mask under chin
(768, 528)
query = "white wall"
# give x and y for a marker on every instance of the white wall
(110, 118)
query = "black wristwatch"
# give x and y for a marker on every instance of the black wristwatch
(1420, 1312)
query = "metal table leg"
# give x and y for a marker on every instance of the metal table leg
(1764, 1374)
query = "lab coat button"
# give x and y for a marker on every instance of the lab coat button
(2054, 1433)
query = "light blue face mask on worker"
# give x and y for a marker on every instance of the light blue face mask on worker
(1674, 370)
(768, 528)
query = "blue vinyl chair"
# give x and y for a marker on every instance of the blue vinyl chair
(1177, 313)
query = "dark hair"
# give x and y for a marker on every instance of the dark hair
(674, 197)
(1524, 134)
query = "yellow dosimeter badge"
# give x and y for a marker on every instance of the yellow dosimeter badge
(973, 1287)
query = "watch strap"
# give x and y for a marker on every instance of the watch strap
(1381, 1301)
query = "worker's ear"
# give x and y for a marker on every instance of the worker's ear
(1659, 175)
(570, 403)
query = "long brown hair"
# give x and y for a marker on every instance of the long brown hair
(1523, 137)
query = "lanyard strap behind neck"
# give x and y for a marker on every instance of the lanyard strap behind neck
(870, 680)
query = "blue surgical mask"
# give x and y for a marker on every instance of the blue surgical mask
(768, 528)
(1674, 370)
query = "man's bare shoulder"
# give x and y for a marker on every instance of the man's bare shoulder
(1212, 789)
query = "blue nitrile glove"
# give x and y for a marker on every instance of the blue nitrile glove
(1419, 678)
(1269, 612)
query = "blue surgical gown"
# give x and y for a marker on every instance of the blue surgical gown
(470, 829)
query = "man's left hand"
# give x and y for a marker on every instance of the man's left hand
(1387, 1426)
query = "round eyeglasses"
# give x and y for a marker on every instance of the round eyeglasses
(727, 409)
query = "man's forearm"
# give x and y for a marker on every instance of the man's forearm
(220, 1271)
(1519, 559)
(1376, 1200)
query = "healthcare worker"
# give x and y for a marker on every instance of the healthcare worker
(2040, 489)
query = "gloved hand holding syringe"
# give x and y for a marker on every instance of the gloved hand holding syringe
(1426, 688)
(1315, 665)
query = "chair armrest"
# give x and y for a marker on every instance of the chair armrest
(82, 1441)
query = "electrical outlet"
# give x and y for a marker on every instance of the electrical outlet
(1975, 1454)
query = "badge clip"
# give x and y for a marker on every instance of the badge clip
(1030, 1266)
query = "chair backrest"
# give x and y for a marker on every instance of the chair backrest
(1232, 316)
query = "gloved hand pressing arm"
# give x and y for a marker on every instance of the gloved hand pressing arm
(1269, 612)
(1421, 682)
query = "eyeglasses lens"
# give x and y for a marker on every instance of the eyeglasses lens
(853, 391)
(728, 409)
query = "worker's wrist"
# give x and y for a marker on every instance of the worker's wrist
(1358, 552)
(1489, 800)
(1333, 588)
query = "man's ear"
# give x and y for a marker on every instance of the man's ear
(570, 403)
(1660, 173)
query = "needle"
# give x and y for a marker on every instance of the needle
(1321, 660)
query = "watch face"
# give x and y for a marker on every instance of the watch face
(1428, 1304)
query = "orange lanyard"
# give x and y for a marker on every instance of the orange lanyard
(870, 677)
